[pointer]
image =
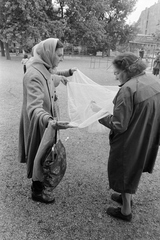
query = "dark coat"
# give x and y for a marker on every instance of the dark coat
(36, 111)
(156, 65)
(135, 132)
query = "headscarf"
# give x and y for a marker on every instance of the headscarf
(44, 52)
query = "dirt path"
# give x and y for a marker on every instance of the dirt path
(81, 197)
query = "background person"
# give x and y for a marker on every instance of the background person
(38, 109)
(24, 61)
(141, 53)
(135, 131)
(156, 65)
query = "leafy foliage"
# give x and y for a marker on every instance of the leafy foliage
(97, 24)
(27, 21)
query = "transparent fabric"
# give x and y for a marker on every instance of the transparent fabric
(82, 92)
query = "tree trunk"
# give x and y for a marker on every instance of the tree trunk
(108, 52)
(62, 12)
(7, 51)
(2, 49)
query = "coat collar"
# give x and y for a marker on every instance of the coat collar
(48, 77)
(43, 70)
(142, 73)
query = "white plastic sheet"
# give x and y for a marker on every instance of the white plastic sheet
(82, 91)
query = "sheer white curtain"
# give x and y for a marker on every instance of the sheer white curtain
(82, 92)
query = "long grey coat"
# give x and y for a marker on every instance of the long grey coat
(135, 132)
(36, 111)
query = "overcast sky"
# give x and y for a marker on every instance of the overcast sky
(140, 6)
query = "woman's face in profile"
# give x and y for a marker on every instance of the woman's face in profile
(58, 56)
(119, 75)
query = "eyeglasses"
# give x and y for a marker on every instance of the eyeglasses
(116, 73)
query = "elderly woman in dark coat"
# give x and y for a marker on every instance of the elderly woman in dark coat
(38, 109)
(135, 131)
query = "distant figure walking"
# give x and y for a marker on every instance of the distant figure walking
(141, 53)
(24, 61)
(156, 65)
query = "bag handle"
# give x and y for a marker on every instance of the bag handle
(54, 109)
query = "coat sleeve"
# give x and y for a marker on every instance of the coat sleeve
(66, 73)
(35, 96)
(57, 77)
(122, 112)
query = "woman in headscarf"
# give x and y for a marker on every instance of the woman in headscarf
(39, 108)
(135, 131)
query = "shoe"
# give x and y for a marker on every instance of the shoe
(37, 186)
(118, 198)
(42, 198)
(38, 194)
(116, 213)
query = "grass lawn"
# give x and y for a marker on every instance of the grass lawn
(83, 194)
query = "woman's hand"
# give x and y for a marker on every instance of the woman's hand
(59, 125)
(64, 80)
(62, 125)
(106, 121)
(73, 70)
(94, 106)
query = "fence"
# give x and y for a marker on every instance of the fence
(100, 62)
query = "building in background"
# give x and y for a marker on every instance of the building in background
(149, 26)
(147, 42)
(149, 20)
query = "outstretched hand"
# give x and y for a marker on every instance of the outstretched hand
(59, 125)
(62, 125)
(64, 80)
(73, 69)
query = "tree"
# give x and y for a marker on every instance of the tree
(84, 24)
(97, 23)
(115, 27)
(129, 32)
(25, 22)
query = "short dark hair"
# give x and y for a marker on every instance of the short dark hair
(129, 63)
(59, 44)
